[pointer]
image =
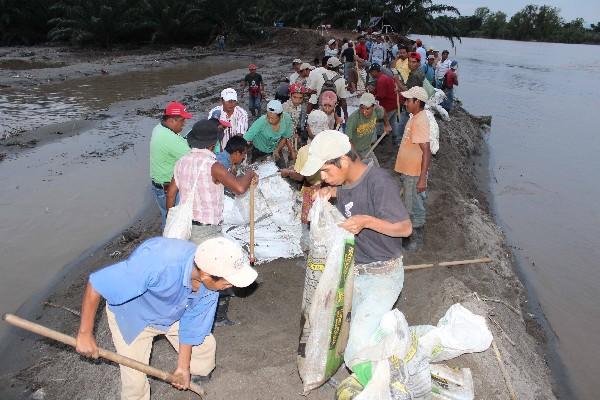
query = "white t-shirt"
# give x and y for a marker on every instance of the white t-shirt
(316, 81)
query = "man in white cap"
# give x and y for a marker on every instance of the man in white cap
(296, 64)
(166, 287)
(329, 78)
(331, 48)
(271, 132)
(230, 111)
(370, 198)
(414, 157)
(302, 76)
(361, 126)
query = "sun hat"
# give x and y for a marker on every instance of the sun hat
(175, 109)
(229, 94)
(333, 62)
(297, 88)
(275, 106)
(328, 98)
(327, 145)
(204, 134)
(416, 92)
(367, 100)
(223, 257)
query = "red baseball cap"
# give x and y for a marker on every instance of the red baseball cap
(297, 88)
(414, 54)
(252, 66)
(175, 109)
(217, 115)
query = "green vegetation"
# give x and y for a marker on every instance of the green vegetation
(108, 22)
(539, 23)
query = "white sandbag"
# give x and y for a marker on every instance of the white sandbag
(277, 230)
(434, 103)
(434, 133)
(325, 332)
(458, 332)
(179, 217)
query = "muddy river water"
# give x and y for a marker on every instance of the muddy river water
(74, 193)
(544, 146)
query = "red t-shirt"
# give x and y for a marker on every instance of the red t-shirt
(385, 92)
(361, 51)
(451, 79)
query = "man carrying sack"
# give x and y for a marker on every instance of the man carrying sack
(370, 198)
(166, 287)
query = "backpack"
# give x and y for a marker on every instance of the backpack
(329, 84)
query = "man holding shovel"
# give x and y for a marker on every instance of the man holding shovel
(166, 287)
(386, 95)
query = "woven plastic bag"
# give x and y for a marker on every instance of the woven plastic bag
(179, 218)
(327, 300)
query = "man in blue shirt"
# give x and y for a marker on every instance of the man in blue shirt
(170, 287)
(235, 152)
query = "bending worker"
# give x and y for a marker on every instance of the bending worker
(166, 287)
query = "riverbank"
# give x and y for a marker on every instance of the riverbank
(257, 359)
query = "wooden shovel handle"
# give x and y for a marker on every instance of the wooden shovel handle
(106, 354)
(448, 264)
(251, 242)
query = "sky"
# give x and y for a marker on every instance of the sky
(589, 10)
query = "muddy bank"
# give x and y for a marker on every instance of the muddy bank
(256, 360)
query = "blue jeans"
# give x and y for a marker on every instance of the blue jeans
(448, 103)
(373, 296)
(348, 66)
(254, 104)
(413, 201)
(398, 125)
(161, 199)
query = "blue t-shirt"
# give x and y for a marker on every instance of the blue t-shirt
(153, 287)
(225, 159)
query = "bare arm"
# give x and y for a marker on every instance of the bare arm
(182, 373)
(357, 223)
(237, 184)
(172, 194)
(85, 342)
(344, 108)
(290, 173)
(425, 161)
(277, 151)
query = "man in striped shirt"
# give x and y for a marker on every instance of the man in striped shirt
(232, 113)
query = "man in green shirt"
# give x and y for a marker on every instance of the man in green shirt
(362, 125)
(271, 132)
(166, 147)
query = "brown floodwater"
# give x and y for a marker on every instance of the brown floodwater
(74, 193)
(544, 145)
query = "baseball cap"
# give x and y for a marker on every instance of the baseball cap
(414, 54)
(217, 115)
(304, 66)
(431, 49)
(367, 100)
(430, 56)
(326, 146)
(333, 62)
(317, 121)
(454, 64)
(204, 134)
(416, 92)
(175, 109)
(225, 258)
(297, 88)
(297, 61)
(331, 41)
(275, 106)
(252, 66)
(229, 94)
(375, 67)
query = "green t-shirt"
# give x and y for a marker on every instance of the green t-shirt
(263, 137)
(360, 130)
(166, 148)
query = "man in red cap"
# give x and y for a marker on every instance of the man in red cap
(421, 50)
(166, 147)
(296, 108)
(254, 81)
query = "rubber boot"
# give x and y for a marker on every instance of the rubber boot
(415, 241)
(221, 318)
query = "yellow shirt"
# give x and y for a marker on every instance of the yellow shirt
(402, 67)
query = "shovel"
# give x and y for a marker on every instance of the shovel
(109, 355)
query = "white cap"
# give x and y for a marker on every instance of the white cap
(229, 94)
(304, 66)
(326, 146)
(331, 41)
(225, 258)
(333, 62)
(317, 121)
(275, 106)
(297, 61)
(367, 100)
(416, 92)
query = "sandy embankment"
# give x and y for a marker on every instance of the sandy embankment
(257, 359)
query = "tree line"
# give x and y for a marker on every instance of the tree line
(107, 23)
(532, 23)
